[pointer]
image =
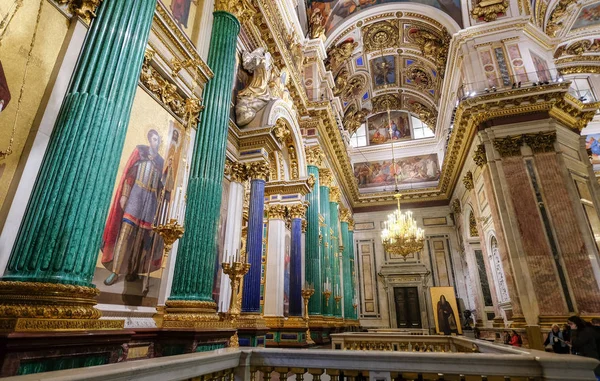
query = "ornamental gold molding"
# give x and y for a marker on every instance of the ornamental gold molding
(339, 54)
(86, 9)
(239, 172)
(380, 35)
(335, 195)
(578, 48)
(351, 224)
(541, 142)
(479, 156)
(488, 10)
(473, 232)
(580, 69)
(297, 210)
(433, 46)
(276, 212)
(282, 131)
(325, 177)
(354, 118)
(455, 206)
(258, 170)
(558, 16)
(509, 145)
(311, 181)
(314, 156)
(241, 9)
(345, 214)
(468, 181)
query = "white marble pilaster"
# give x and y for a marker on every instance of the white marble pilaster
(275, 268)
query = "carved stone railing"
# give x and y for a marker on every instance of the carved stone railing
(507, 364)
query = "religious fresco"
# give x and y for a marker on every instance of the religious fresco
(406, 170)
(385, 129)
(26, 65)
(148, 191)
(541, 67)
(589, 16)
(184, 13)
(592, 144)
(335, 11)
(384, 70)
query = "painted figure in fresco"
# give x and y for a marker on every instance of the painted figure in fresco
(181, 11)
(129, 246)
(4, 91)
(446, 319)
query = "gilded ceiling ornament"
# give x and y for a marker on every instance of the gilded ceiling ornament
(473, 226)
(426, 115)
(579, 47)
(241, 9)
(558, 16)
(479, 156)
(337, 55)
(355, 86)
(434, 47)
(325, 177)
(281, 130)
(419, 77)
(489, 10)
(541, 142)
(468, 181)
(297, 210)
(317, 30)
(380, 35)
(256, 95)
(314, 156)
(509, 145)
(354, 118)
(258, 170)
(455, 206)
(341, 81)
(335, 195)
(385, 102)
(276, 212)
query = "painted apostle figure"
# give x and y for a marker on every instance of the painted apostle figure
(129, 246)
(446, 319)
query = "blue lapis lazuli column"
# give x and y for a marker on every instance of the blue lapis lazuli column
(251, 292)
(296, 268)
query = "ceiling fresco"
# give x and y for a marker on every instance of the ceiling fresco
(335, 11)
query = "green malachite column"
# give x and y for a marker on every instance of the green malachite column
(194, 268)
(54, 256)
(334, 200)
(346, 272)
(326, 249)
(312, 267)
(352, 268)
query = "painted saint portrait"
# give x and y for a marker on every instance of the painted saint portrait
(541, 68)
(587, 17)
(445, 311)
(592, 144)
(384, 70)
(181, 11)
(4, 90)
(384, 128)
(407, 170)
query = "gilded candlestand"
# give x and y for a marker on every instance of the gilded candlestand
(306, 294)
(236, 272)
(170, 233)
(337, 298)
(327, 294)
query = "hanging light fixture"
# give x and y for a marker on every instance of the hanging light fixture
(401, 235)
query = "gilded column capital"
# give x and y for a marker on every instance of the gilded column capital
(241, 9)
(335, 195)
(297, 211)
(455, 206)
(325, 177)
(258, 170)
(468, 180)
(304, 226)
(509, 145)
(86, 9)
(541, 142)
(479, 156)
(276, 212)
(345, 215)
(351, 224)
(238, 172)
(314, 156)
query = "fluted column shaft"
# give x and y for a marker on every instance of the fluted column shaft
(335, 257)
(326, 269)
(296, 268)
(60, 234)
(346, 272)
(352, 271)
(312, 272)
(194, 275)
(251, 292)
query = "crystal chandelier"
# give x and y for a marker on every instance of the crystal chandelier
(401, 235)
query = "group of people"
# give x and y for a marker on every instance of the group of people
(513, 338)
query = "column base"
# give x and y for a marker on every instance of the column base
(286, 332)
(546, 322)
(192, 314)
(252, 330)
(37, 307)
(351, 323)
(320, 328)
(518, 321)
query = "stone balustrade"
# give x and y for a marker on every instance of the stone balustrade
(504, 364)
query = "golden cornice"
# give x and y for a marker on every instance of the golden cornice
(580, 69)
(282, 187)
(592, 59)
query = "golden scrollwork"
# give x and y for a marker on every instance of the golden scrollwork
(479, 156)
(258, 170)
(276, 212)
(488, 10)
(419, 77)
(580, 69)
(335, 194)
(310, 181)
(86, 9)
(473, 232)
(337, 55)
(298, 210)
(354, 118)
(468, 181)
(380, 35)
(314, 156)
(241, 9)
(433, 46)
(540, 142)
(557, 17)
(355, 86)
(509, 145)
(382, 103)
(325, 177)
(281, 130)
(424, 113)
(455, 206)
(238, 172)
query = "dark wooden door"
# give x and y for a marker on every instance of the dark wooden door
(408, 312)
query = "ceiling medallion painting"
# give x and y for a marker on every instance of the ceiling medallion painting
(380, 35)
(383, 70)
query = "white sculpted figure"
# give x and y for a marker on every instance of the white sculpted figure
(256, 95)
